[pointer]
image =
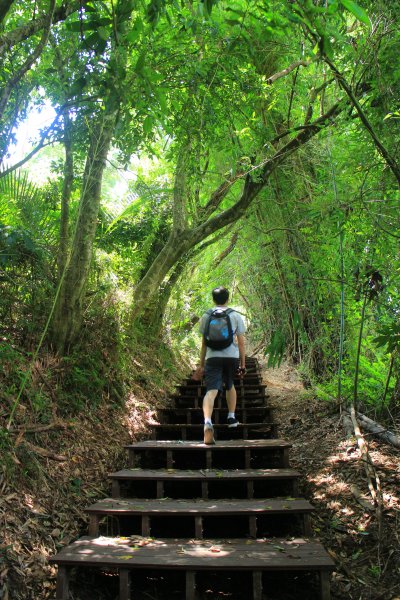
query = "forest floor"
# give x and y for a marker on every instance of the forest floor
(41, 519)
(366, 550)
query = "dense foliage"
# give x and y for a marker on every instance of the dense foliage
(198, 143)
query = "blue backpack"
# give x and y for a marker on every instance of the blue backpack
(218, 332)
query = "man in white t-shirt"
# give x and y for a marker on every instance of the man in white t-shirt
(220, 366)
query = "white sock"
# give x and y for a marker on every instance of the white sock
(231, 415)
(207, 422)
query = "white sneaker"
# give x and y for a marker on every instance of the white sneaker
(209, 434)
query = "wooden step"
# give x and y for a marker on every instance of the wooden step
(194, 557)
(171, 431)
(251, 377)
(253, 414)
(205, 483)
(189, 401)
(180, 454)
(199, 518)
(245, 390)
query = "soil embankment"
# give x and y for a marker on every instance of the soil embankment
(366, 551)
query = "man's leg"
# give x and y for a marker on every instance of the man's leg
(231, 396)
(213, 381)
(208, 405)
(231, 399)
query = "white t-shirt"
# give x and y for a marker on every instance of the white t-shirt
(238, 327)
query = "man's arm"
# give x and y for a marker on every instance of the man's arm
(242, 350)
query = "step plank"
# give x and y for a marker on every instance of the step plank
(253, 414)
(223, 445)
(193, 557)
(206, 483)
(191, 401)
(204, 474)
(134, 506)
(173, 453)
(194, 431)
(201, 512)
(298, 554)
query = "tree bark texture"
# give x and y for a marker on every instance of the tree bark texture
(68, 309)
(62, 258)
(5, 6)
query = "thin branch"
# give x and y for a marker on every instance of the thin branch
(313, 95)
(218, 260)
(35, 150)
(290, 68)
(293, 86)
(220, 236)
(219, 194)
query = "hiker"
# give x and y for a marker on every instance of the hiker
(222, 356)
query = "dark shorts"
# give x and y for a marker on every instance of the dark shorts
(220, 370)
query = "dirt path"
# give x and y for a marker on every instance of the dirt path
(367, 556)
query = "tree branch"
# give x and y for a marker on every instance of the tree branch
(290, 68)
(219, 194)
(313, 95)
(8, 40)
(221, 235)
(179, 212)
(251, 189)
(218, 260)
(29, 61)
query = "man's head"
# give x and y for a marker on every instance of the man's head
(220, 296)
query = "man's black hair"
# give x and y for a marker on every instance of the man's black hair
(220, 295)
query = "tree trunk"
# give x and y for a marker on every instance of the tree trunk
(67, 313)
(68, 308)
(153, 314)
(5, 6)
(62, 257)
(176, 246)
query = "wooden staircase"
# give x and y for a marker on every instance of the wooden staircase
(225, 516)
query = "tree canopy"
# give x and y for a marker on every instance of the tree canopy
(258, 142)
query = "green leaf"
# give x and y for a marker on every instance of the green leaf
(91, 25)
(77, 86)
(129, 210)
(140, 62)
(104, 33)
(148, 124)
(161, 96)
(95, 42)
(356, 10)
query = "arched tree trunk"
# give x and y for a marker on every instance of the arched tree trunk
(183, 238)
